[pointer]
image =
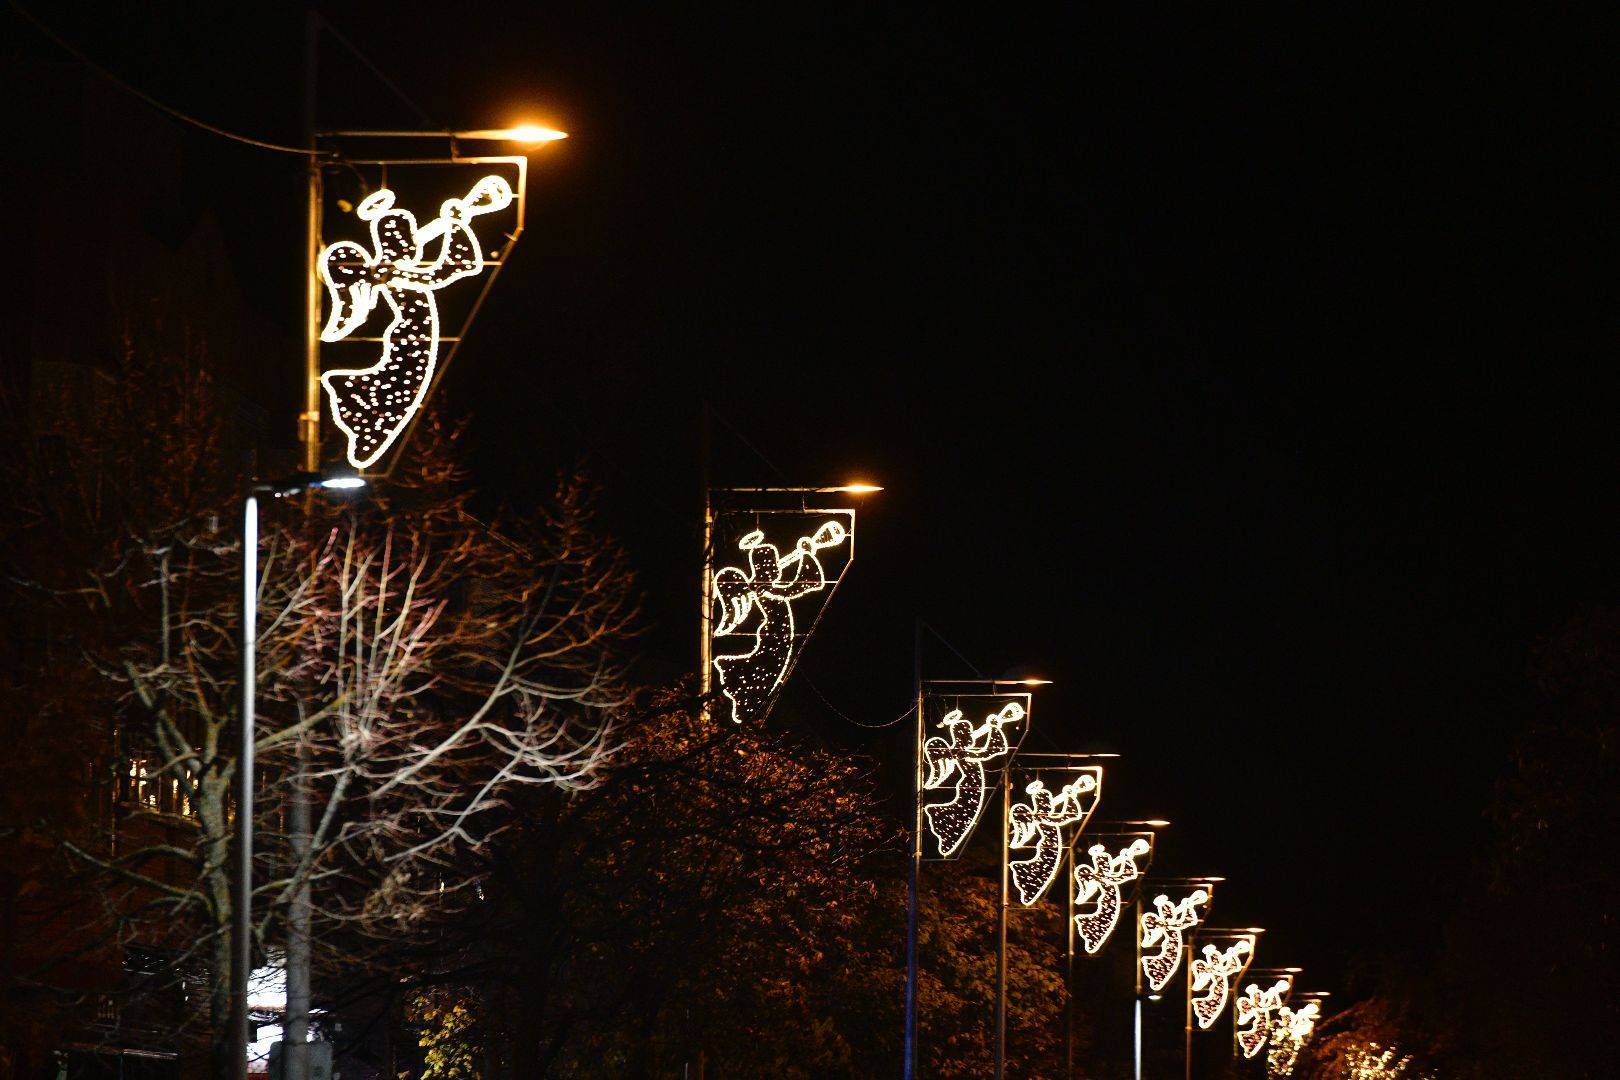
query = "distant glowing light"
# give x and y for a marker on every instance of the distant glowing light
(1252, 1015)
(963, 757)
(1041, 821)
(1212, 978)
(1097, 884)
(372, 406)
(749, 680)
(1164, 929)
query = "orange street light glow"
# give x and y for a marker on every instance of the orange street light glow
(524, 133)
(860, 489)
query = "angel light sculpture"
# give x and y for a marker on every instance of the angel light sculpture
(749, 680)
(373, 405)
(1041, 821)
(1212, 975)
(1253, 1012)
(1290, 1031)
(1163, 930)
(1097, 887)
(961, 757)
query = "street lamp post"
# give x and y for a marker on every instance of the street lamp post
(242, 907)
(1004, 906)
(913, 897)
(1101, 831)
(1250, 934)
(296, 1031)
(1207, 885)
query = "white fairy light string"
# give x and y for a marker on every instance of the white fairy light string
(1212, 977)
(373, 405)
(749, 680)
(1252, 1015)
(1098, 883)
(1291, 1029)
(1164, 928)
(1041, 821)
(963, 756)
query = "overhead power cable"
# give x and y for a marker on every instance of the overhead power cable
(168, 110)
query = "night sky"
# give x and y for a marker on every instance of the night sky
(1250, 377)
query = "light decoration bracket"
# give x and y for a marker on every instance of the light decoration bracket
(1162, 927)
(1253, 1012)
(374, 405)
(1039, 820)
(1211, 975)
(757, 633)
(1098, 886)
(981, 734)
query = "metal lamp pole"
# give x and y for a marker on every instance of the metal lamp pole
(912, 906)
(1005, 905)
(296, 1032)
(242, 907)
(1250, 934)
(1104, 830)
(1208, 885)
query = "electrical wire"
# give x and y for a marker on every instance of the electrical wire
(845, 716)
(169, 110)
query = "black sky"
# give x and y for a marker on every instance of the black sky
(1248, 375)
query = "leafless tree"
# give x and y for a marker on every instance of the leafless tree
(415, 666)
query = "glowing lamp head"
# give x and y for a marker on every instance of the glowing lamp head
(860, 489)
(342, 483)
(533, 134)
(1156, 823)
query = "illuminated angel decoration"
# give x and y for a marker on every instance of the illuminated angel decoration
(963, 756)
(1096, 887)
(749, 680)
(1290, 1031)
(1041, 821)
(1212, 975)
(1253, 1012)
(1164, 929)
(373, 405)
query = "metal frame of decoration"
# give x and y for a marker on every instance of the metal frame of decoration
(1102, 879)
(1291, 1029)
(382, 460)
(1049, 820)
(981, 738)
(1252, 1010)
(1170, 922)
(1214, 971)
(763, 626)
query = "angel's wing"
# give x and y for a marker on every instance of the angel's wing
(344, 268)
(1023, 826)
(735, 597)
(940, 760)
